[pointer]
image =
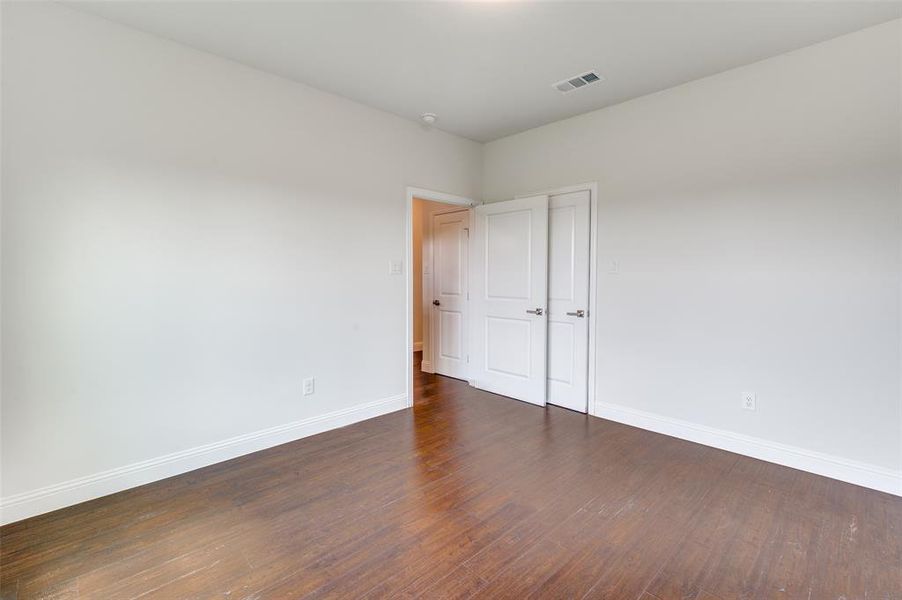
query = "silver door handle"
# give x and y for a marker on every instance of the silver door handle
(436, 303)
(538, 311)
(579, 313)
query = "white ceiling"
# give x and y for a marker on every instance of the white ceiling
(485, 68)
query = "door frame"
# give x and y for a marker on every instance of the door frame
(435, 196)
(592, 188)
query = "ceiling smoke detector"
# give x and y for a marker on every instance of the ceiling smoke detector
(428, 119)
(578, 81)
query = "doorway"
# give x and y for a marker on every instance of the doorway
(438, 229)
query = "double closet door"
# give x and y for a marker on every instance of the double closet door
(529, 284)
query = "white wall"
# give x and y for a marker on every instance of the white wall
(755, 220)
(184, 240)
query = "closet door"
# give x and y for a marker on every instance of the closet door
(509, 291)
(568, 300)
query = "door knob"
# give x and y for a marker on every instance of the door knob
(580, 313)
(538, 311)
(436, 303)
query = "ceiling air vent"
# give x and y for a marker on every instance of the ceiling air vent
(570, 84)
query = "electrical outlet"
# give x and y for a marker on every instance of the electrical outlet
(748, 401)
(309, 386)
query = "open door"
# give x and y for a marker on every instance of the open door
(509, 290)
(450, 232)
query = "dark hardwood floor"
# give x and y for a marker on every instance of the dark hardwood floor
(470, 495)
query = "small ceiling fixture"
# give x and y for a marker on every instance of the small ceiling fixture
(578, 81)
(429, 119)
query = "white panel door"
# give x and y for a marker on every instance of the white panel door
(449, 286)
(568, 300)
(509, 285)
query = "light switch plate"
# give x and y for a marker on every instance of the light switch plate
(395, 267)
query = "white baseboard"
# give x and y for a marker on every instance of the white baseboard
(866, 475)
(28, 504)
(426, 367)
(418, 346)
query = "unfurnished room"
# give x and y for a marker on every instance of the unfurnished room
(420, 299)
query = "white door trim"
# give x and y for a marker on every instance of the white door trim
(435, 196)
(592, 188)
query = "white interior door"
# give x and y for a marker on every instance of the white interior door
(568, 300)
(450, 232)
(509, 286)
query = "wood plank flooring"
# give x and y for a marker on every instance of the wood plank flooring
(470, 495)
